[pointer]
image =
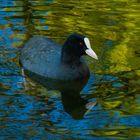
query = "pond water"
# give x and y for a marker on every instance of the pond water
(30, 110)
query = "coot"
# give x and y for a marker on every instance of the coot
(49, 59)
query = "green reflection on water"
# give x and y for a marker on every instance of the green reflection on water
(114, 31)
(103, 22)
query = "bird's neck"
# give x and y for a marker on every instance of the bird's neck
(69, 55)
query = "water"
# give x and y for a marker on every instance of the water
(28, 110)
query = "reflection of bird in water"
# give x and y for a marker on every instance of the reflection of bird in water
(75, 105)
(72, 101)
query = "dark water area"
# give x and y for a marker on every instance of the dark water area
(37, 108)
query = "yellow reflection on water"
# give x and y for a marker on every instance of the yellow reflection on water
(113, 29)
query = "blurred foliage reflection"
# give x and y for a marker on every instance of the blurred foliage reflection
(36, 112)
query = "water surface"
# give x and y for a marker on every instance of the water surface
(33, 111)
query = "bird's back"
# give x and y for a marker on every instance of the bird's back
(40, 55)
